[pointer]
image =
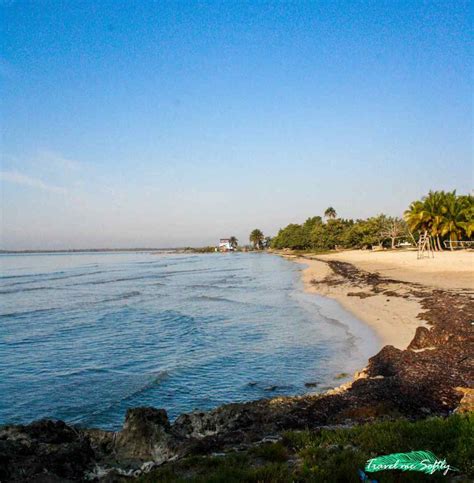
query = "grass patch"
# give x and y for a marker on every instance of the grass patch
(272, 452)
(335, 455)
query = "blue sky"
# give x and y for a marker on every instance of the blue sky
(144, 123)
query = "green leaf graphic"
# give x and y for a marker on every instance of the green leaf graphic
(423, 461)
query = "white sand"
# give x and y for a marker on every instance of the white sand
(394, 319)
(447, 270)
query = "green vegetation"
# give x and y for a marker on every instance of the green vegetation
(233, 242)
(257, 239)
(443, 215)
(330, 213)
(335, 455)
(316, 235)
(200, 249)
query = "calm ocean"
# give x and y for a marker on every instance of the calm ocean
(85, 336)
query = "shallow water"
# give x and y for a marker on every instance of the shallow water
(83, 337)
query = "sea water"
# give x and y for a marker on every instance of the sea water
(85, 336)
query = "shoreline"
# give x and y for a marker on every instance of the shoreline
(431, 377)
(385, 297)
(394, 320)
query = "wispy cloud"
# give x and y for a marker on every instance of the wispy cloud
(24, 180)
(59, 160)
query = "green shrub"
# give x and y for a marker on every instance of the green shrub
(334, 455)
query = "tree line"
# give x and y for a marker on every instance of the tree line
(443, 215)
(258, 240)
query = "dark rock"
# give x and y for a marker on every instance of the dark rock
(145, 436)
(44, 451)
(311, 384)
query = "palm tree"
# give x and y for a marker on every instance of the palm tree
(256, 238)
(457, 217)
(417, 218)
(233, 242)
(467, 202)
(442, 214)
(426, 216)
(330, 213)
(433, 205)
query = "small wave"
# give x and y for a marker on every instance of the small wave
(184, 324)
(6, 277)
(27, 313)
(165, 262)
(122, 279)
(208, 270)
(341, 321)
(194, 270)
(44, 278)
(156, 379)
(211, 298)
(81, 371)
(152, 380)
(31, 289)
(124, 296)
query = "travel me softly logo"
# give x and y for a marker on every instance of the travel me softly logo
(422, 461)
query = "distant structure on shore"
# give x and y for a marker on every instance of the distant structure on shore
(225, 245)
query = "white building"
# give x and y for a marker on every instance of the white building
(225, 245)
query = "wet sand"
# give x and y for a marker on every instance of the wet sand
(392, 311)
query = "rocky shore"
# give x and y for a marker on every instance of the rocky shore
(433, 376)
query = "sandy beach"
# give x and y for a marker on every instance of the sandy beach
(392, 311)
(447, 270)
